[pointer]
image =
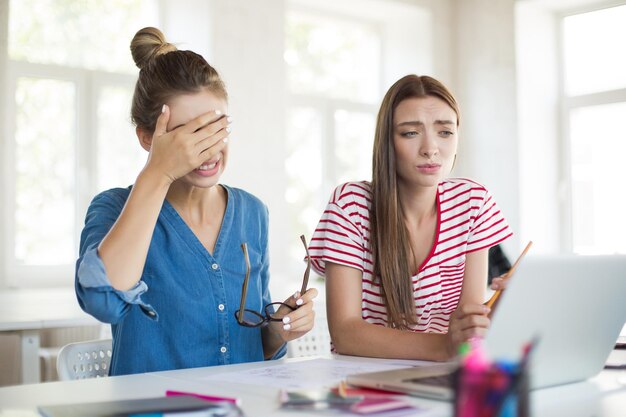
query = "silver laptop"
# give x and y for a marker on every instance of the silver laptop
(575, 305)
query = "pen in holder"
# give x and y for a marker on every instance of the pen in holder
(486, 388)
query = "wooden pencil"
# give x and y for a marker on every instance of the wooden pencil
(506, 276)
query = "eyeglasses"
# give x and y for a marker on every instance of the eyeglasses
(251, 318)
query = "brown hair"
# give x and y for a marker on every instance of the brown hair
(164, 73)
(391, 249)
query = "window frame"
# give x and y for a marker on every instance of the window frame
(325, 105)
(88, 84)
(568, 104)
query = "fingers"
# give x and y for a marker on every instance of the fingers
(210, 145)
(469, 320)
(473, 321)
(303, 317)
(161, 124)
(203, 121)
(300, 320)
(499, 283)
(208, 130)
(470, 309)
(307, 297)
(296, 301)
(212, 138)
(467, 334)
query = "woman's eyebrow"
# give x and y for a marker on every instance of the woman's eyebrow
(418, 123)
(410, 123)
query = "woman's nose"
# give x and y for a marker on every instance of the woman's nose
(428, 147)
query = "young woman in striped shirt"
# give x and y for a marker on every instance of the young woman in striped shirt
(405, 256)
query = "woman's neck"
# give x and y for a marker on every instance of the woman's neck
(419, 204)
(197, 205)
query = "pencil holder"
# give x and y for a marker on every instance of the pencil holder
(500, 389)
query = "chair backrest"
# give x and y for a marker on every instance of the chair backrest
(316, 342)
(82, 360)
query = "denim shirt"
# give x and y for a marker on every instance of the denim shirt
(181, 313)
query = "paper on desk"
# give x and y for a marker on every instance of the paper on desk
(312, 373)
(18, 412)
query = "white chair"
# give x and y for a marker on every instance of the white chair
(82, 360)
(316, 342)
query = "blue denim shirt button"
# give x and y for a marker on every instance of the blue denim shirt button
(220, 307)
(215, 266)
(223, 349)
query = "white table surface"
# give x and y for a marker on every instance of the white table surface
(27, 311)
(601, 396)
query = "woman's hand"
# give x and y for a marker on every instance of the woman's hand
(298, 322)
(176, 153)
(499, 283)
(467, 321)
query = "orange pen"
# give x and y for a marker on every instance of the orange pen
(490, 303)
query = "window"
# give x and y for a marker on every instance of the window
(70, 79)
(334, 78)
(594, 105)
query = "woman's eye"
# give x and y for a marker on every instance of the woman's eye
(410, 134)
(446, 133)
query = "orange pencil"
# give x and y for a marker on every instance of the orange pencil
(506, 276)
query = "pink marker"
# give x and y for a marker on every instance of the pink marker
(235, 401)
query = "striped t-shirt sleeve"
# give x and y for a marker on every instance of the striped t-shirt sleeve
(489, 227)
(337, 238)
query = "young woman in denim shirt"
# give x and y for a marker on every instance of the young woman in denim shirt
(162, 260)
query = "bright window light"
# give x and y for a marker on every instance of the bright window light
(594, 51)
(331, 57)
(44, 163)
(598, 200)
(85, 34)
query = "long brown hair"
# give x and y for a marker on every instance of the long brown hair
(391, 249)
(166, 72)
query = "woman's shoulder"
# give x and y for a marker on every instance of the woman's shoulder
(353, 191)
(456, 185)
(115, 196)
(245, 198)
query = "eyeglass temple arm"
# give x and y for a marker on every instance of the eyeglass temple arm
(244, 287)
(305, 280)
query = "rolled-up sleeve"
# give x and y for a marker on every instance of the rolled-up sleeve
(95, 294)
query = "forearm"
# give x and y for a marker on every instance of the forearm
(358, 338)
(125, 247)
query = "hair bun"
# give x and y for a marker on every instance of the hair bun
(147, 44)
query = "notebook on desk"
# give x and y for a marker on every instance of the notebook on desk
(179, 405)
(574, 304)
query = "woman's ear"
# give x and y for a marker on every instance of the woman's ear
(145, 138)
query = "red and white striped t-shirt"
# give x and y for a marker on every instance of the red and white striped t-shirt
(468, 220)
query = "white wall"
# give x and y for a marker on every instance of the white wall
(540, 194)
(190, 32)
(485, 86)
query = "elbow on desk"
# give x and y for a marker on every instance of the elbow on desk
(345, 339)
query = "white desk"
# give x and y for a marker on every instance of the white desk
(26, 312)
(602, 396)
